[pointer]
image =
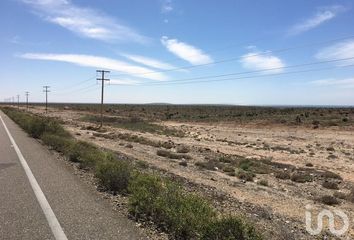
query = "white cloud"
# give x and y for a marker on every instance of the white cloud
(123, 82)
(338, 51)
(341, 83)
(259, 61)
(98, 62)
(185, 51)
(85, 22)
(149, 62)
(323, 15)
(166, 6)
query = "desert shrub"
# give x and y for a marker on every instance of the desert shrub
(309, 165)
(328, 174)
(163, 153)
(182, 214)
(58, 143)
(301, 177)
(142, 164)
(114, 175)
(211, 164)
(86, 154)
(228, 169)
(229, 228)
(171, 155)
(183, 163)
(263, 182)
(339, 195)
(245, 175)
(282, 175)
(330, 149)
(245, 165)
(226, 159)
(145, 190)
(167, 145)
(129, 145)
(350, 196)
(329, 200)
(330, 185)
(182, 149)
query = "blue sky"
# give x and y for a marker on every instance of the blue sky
(175, 51)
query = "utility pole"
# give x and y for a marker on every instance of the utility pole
(18, 101)
(46, 90)
(102, 79)
(27, 94)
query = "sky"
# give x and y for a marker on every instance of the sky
(179, 51)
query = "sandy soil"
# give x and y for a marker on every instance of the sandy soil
(278, 207)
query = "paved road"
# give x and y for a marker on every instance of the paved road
(78, 212)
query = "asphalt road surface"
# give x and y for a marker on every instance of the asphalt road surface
(41, 198)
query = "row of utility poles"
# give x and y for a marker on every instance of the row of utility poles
(12, 99)
(46, 90)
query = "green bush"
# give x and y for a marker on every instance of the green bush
(330, 185)
(229, 228)
(184, 215)
(245, 175)
(145, 189)
(245, 165)
(58, 143)
(350, 196)
(263, 182)
(36, 126)
(86, 154)
(329, 200)
(171, 155)
(282, 175)
(301, 177)
(114, 175)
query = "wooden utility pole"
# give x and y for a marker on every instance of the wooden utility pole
(27, 94)
(18, 101)
(102, 79)
(46, 90)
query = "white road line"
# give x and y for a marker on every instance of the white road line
(47, 210)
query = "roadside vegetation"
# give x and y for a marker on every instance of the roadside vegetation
(151, 197)
(134, 124)
(311, 117)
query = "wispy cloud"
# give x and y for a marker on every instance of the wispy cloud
(340, 83)
(322, 15)
(19, 41)
(166, 6)
(262, 61)
(338, 51)
(123, 82)
(98, 62)
(150, 62)
(185, 51)
(85, 22)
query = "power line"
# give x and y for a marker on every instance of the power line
(102, 79)
(247, 77)
(77, 90)
(237, 58)
(77, 84)
(249, 72)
